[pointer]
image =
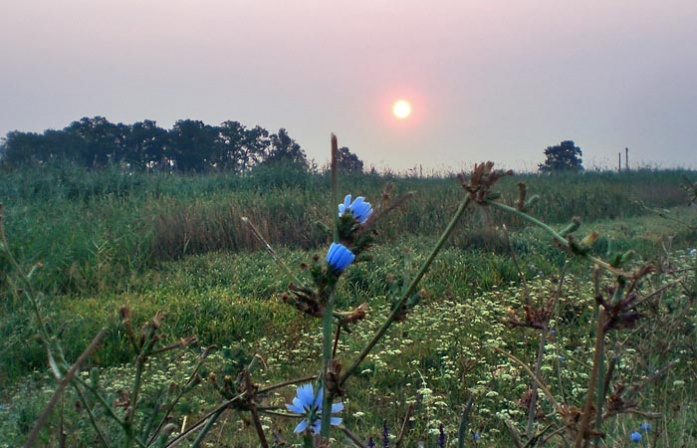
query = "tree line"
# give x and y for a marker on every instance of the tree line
(191, 146)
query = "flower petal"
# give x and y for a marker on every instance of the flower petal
(301, 426)
(337, 407)
(305, 395)
(339, 256)
(336, 421)
(295, 407)
(346, 206)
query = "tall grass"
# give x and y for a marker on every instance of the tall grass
(92, 229)
(170, 242)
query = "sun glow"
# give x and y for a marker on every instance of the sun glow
(401, 109)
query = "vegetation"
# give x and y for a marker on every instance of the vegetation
(191, 146)
(117, 247)
(563, 157)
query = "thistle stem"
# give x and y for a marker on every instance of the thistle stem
(43, 418)
(560, 239)
(410, 290)
(592, 383)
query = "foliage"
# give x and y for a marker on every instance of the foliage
(191, 146)
(284, 151)
(348, 162)
(563, 157)
(94, 230)
(485, 322)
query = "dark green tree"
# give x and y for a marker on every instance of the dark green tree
(348, 162)
(193, 145)
(146, 146)
(563, 157)
(283, 150)
(239, 148)
(29, 148)
(255, 141)
(21, 148)
(99, 141)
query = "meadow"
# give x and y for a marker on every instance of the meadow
(165, 262)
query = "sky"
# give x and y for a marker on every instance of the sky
(496, 80)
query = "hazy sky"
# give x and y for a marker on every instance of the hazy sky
(488, 80)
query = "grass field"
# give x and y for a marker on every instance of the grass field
(501, 303)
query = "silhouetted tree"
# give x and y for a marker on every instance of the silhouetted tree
(193, 145)
(563, 157)
(190, 146)
(146, 145)
(22, 148)
(98, 141)
(240, 148)
(283, 150)
(254, 144)
(348, 162)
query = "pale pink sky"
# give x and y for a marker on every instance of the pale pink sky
(488, 80)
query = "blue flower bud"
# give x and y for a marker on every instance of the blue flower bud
(635, 436)
(339, 257)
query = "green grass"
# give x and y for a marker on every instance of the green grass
(177, 244)
(93, 229)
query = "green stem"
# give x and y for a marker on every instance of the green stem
(137, 382)
(560, 239)
(191, 382)
(538, 368)
(43, 418)
(209, 424)
(592, 383)
(328, 318)
(408, 293)
(600, 395)
(259, 429)
(533, 220)
(557, 407)
(272, 252)
(90, 414)
(464, 421)
(327, 342)
(103, 401)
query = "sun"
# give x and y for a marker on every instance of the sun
(401, 109)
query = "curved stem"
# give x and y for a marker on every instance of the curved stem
(408, 293)
(560, 239)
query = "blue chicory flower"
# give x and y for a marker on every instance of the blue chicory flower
(360, 209)
(646, 426)
(635, 436)
(339, 257)
(309, 404)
